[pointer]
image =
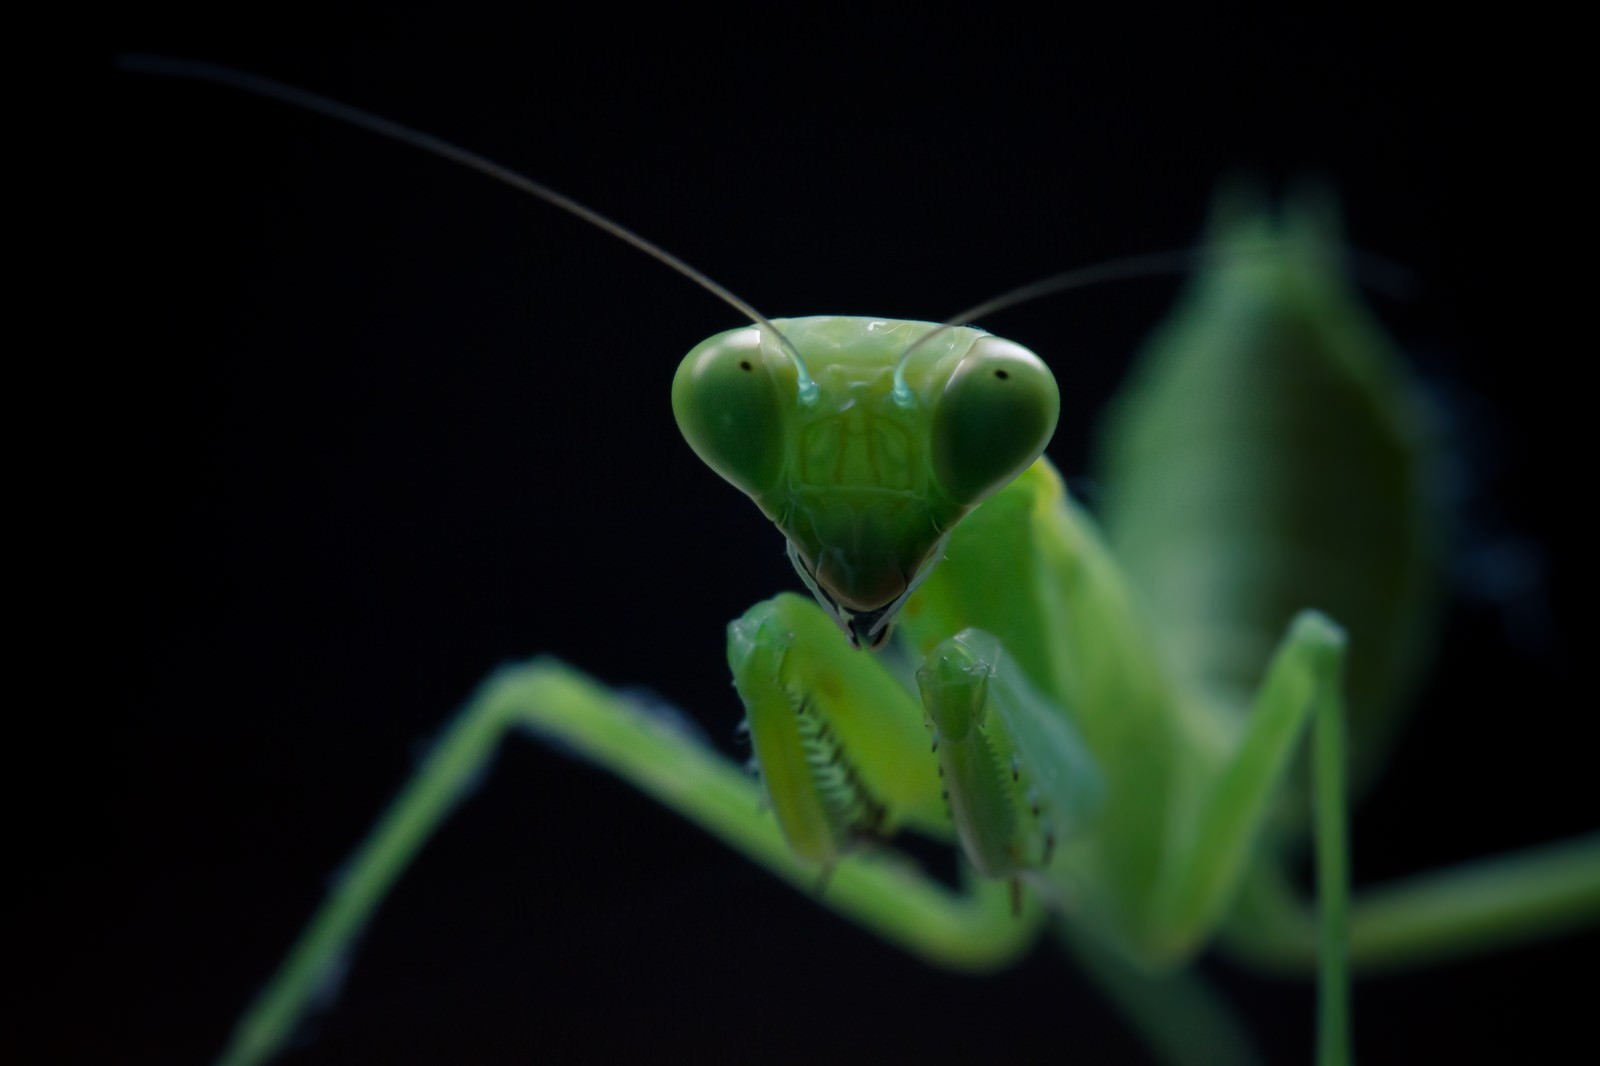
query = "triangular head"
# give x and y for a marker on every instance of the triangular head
(865, 440)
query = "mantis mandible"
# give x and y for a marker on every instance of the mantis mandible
(838, 886)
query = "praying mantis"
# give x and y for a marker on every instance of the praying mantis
(621, 674)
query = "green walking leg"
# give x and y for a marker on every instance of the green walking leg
(969, 931)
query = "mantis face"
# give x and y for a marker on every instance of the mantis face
(864, 446)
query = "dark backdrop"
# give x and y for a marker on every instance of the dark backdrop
(382, 425)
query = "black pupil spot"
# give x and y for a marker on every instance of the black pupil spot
(744, 364)
(1002, 375)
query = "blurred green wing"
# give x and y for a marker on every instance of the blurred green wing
(1270, 454)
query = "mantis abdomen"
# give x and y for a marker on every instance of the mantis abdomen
(1269, 455)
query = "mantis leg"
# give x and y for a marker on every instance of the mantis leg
(650, 750)
(1444, 914)
(1302, 685)
(1005, 750)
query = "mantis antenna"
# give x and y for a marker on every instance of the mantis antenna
(198, 70)
(1132, 266)
(1374, 271)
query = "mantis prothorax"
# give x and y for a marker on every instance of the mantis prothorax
(1092, 732)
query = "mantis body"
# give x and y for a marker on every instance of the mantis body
(1159, 944)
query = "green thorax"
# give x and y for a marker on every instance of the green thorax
(864, 456)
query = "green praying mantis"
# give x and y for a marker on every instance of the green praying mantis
(1145, 838)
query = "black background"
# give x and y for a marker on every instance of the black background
(381, 425)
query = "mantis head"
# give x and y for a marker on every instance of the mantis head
(865, 441)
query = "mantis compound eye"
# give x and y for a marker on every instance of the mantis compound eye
(993, 418)
(728, 400)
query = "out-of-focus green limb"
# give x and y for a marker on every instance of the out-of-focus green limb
(1302, 685)
(1455, 912)
(969, 931)
(1182, 1019)
(1212, 850)
(1331, 821)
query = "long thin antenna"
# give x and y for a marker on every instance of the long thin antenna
(1373, 270)
(1370, 269)
(198, 70)
(1133, 266)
